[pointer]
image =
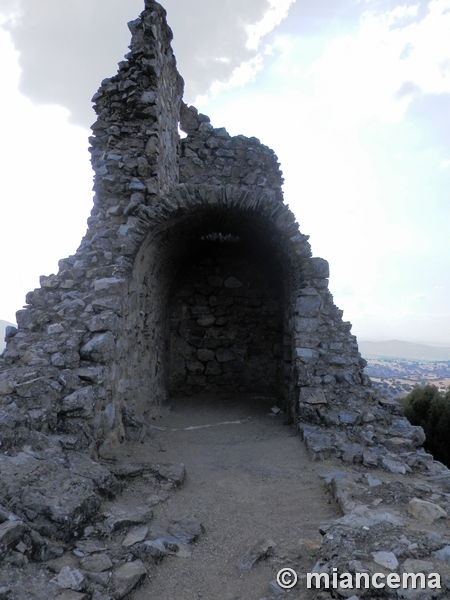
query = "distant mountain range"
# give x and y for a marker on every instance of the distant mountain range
(3, 326)
(389, 349)
(406, 350)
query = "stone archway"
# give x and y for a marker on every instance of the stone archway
(97, 334)
(226, 317)
(211, 298)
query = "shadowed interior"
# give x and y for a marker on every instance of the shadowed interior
(212, 289)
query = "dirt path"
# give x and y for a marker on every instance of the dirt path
(246, 482)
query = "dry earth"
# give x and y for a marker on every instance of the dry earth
(246, 481)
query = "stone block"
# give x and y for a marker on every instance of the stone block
(195, 367)
(136, 535)
(69, 579)
(320, 268)
(127, 577)
(100, 348)
(394, 466)
(55, 328)
(206, 320)
(79, 403)
(233, 283)
(107, 321)
(312, 396)
(205, 355)
(94, 374)
(259, 551)
(225, 355)
(338, 360)
(306, 355)
(5, 387)
(319, 445)
(96, 563)
(425, 511)
(443, 554)
(213, 368)
(113, 303)
(187, 530)
(388, 560)
(119, 518)
(111, 284)
(11, 532)
(306, 325)
(415, 565)
(397, 445)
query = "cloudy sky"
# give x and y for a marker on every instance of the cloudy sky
(353, 96)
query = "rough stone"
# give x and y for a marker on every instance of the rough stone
(79, 403)
(96, 563)
(128, 576)
(71, 579)
(119, 518)
(10, 532)
(443, 554)
(388, 560)
(425, 511)
(312, 396)
(205, 355)
(187, 530)
(256, 553)
(52, 492)
(5, 387)
(415, 565)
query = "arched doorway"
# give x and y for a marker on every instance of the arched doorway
(226, 312)
(211, 301)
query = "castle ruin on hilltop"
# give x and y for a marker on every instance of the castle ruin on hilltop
(193, 277)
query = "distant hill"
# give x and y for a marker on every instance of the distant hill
(3, 326)
(406, 350)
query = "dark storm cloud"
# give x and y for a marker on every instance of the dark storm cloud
(210, 38)
(67, 48)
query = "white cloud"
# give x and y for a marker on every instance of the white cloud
(45, 187)
(278, 11)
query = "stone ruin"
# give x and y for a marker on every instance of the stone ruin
(193, 278)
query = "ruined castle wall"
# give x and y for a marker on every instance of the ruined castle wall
(68, 359)
(211, 156)
(105, 336)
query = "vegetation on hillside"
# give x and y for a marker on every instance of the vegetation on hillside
(430, 408)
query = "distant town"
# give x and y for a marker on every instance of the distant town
(395, 377)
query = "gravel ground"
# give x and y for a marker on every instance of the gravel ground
(247, 481)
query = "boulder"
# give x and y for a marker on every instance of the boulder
(425, 511)
(127, 577)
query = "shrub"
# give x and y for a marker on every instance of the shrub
(429, 408)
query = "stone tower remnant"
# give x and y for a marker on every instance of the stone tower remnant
(193, 277)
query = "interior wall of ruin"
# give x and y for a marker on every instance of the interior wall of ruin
(226, 321)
